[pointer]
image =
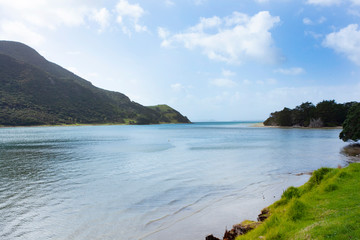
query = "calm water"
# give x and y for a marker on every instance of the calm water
(149, 182)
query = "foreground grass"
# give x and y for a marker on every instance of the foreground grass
(326, 207)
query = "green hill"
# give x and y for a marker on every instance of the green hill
(168, 114)
(34, 91)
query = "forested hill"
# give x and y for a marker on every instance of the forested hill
(327, 113)
(34, 91)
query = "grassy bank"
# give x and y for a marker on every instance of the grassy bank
(326, 207)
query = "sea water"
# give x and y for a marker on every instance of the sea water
(154, 182)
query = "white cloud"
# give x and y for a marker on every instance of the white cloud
(233, 39)
(355, 2)
(313, 34)
(169, 3)
(246, 82)
(322, 20)
(17, 31)
(199, 2)
(177, 87)
(271, 81)
(346, 41)
(206, 23)
(290, 71)
(164, 34)
(102, 17)
(128, 16)
(223, 82)
(307, 21)
(41, 13)
(236, 18)
(228, 73)
(324, 2)
(34, 18)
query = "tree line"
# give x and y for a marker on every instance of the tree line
(327, 113)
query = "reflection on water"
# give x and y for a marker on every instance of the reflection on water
(149, 182)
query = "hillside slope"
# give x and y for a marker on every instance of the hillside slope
(34, 91)
(326, 207)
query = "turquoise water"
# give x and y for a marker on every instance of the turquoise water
(149, 182)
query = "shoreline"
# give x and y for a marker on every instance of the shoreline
(261, 125)
(248, 209)
(292, 209)
(87, 125)
(253, 125)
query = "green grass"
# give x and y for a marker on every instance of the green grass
(326, 207)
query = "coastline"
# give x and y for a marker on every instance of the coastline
(249, 208)
(331, 186)
(86, 125)
(261, 125)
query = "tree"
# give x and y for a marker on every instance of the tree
(351, 126)
(303, 114)
(326, 111)
(285, 118)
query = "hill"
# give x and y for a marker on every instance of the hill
(34, 91)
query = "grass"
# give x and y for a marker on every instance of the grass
(326, 207)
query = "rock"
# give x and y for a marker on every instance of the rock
(229, 235)
(265, 213)
(211, 237)
(240, 229)
(244, 227)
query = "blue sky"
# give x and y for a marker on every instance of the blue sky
(211, 60)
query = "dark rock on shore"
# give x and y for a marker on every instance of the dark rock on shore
(211, 237)
(240, 229)
(244, 227)
(265, 214)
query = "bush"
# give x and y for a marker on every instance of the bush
(291, 192)
(296, 210)
(318, 175)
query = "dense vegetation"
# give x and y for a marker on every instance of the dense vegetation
(326, 207)
(34, 91)
(351, 126)
(327, 113)
(168, 114)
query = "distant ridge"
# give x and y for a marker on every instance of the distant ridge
(34, 91)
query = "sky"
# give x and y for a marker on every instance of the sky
(211, 60)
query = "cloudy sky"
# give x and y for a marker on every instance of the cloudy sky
(212, 60)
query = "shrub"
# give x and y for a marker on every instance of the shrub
(296, 210)
(318, 175)
(291, 192)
